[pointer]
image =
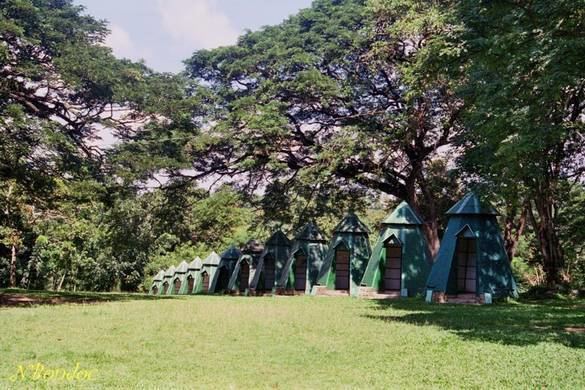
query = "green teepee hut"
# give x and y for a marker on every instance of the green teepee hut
(157, 283)
(246, 267)
(401, 261)
(206, 274)
(271, 263)
(225, 268)
(167, 281)
(346, 259)
(179, 278)
(191, 277)
(305, 260)
(472, 260)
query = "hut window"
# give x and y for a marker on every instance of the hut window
(341, 268)
(466, 265)
(393, 269)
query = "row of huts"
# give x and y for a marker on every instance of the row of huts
(471, 263)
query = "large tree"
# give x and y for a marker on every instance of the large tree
(59, 88)
(524, 86)
(310, 106)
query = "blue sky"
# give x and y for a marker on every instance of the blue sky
(165, 32)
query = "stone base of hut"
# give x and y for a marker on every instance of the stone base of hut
(470, 299)
(373, 293)
(324, 291)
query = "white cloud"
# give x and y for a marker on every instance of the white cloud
(123, 45)
(119, 40)
(197, 22)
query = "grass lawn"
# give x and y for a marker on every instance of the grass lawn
(296, 342)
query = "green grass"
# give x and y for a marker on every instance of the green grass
(299, 342)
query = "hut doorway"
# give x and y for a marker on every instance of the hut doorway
(205, 282)
(342, 268)
(393, 270)
(269, 273)
(244, 275)
(300, 272)
(223, 279)
(177, 286)
(154, 290)
(190, 284)
(165, 287)
(466, 258)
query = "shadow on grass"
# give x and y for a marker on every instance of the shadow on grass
(526, 322)
(26, 298)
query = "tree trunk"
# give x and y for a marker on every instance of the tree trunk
(431, 221)
(546, 233)
(13, 267)
(514, 230)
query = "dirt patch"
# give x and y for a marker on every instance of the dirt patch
(27, 300)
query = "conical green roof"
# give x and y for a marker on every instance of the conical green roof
(278, 239)
(403, 215)
(310, 232)
(351, 224)
(183, 267)
(212, 259)
(231, 253)
(158, 277)
(170, 272)
(196, 263)
(472, 204)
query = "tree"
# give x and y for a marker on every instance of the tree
(307, 107)
(524, 88)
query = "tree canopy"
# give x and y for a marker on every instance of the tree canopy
(347, 105)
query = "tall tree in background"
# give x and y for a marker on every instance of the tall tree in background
(524, 74)
(59, 87)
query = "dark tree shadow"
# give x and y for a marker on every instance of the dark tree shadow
(28, 298)
(528, 322)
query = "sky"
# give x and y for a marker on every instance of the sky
(166, 32)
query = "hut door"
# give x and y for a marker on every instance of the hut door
(177, 285)
(393, 269)
(223, 279)
(190, 284)
(154, 290)
(269, 273)
(300, 272)
(244, 275)
(341, 268)
(466, 265)
(205, 281)
(165, 287)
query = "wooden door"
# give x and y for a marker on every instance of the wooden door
(269, 273)
(165, 287)
(466, 265)
(300, 272)
(177, 286)
(190, 284)
(244, 275)
(341, 268)
(154, 290)
(393, 269)
(205, 282)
